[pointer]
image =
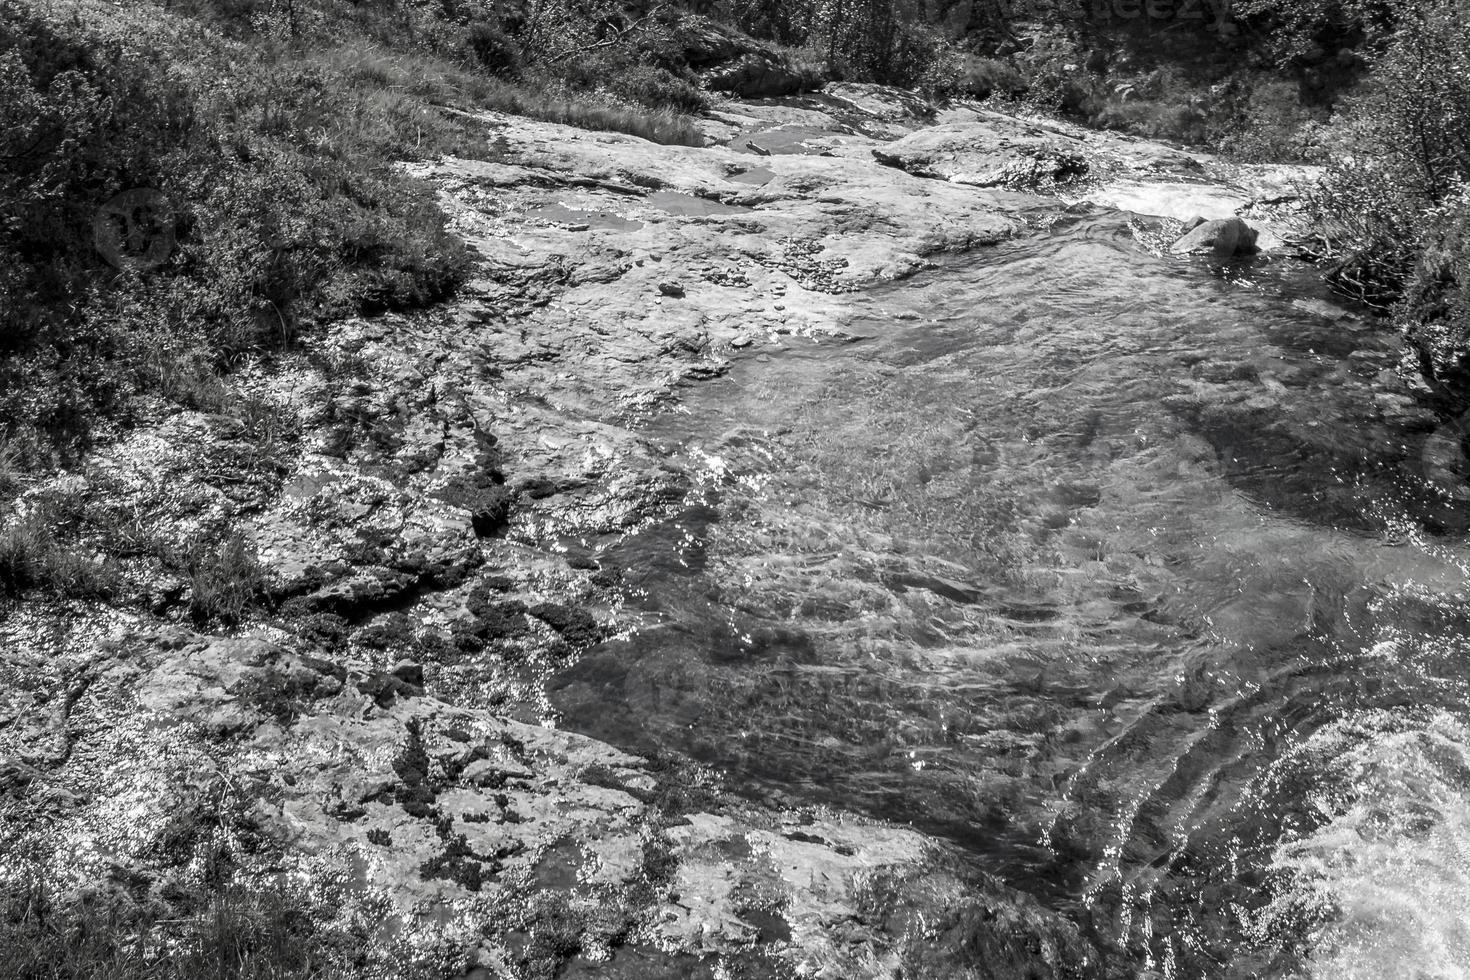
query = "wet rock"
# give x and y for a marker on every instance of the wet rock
(450, 812)
(325, 629)
(393, 631)
(484, 496)
(440, 817)
(577, 626)
(409, 672)
(1222, 237)
(383, 687)
(495, 617)
(987, 155)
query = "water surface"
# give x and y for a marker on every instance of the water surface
(1117, 570)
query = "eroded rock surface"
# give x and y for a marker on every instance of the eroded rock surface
(360, 706)
(983, 154)
(459, 827)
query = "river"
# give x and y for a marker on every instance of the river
(1118, 570)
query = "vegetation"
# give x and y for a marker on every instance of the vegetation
(223, 584)
(1393, 213)
(33, 556)
(237, 934)
(278, 170)
(262, 137)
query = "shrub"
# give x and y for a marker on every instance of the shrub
(653, 87)
(1383, 207)
(493, 49)
(1298, 27)
(287, 211)
(1054, 65)
(982, 78)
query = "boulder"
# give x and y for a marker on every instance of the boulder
(736, 63)
(758, 75)
(987, 154)
(705, 42)
(1224, 237)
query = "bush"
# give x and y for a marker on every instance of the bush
(285, 207)
(982, 78)
(1385, 209)
(657, 88)
(493, 49)
(270, 131)
(1297, 28)
(1055, 66)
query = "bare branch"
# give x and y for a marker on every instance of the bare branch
(618, 37)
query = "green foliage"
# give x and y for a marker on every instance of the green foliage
(240, 934)
(1390, 207)
(287, 211)
(1296, 27)
(979, 78)
(223, 583)
(609, 115)
(34, 555)
(271, 128)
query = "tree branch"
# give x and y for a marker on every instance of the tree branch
(617, 38)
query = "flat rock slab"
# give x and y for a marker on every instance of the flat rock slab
(983, 154)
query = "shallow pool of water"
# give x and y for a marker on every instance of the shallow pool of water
(1116, 570)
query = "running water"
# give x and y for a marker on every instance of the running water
(1118, 570)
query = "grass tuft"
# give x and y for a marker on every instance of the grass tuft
(240, 934)
(33, 557)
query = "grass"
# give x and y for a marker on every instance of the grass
(35, 557)
(423, 82)
(240, 934)
(224, 583)
(12, 475)
(655, 125)
(275, 149)
(79, 546)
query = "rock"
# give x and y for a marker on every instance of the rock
(1224, 237)
(383, 687)
(409, 672)
(484, 497)
(704, 42)
(987, 155)
(370, 528)
(456, 814)
(759, 75)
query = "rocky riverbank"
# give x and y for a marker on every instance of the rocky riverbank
(389, 536)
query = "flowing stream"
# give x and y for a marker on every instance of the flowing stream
(1119, 571)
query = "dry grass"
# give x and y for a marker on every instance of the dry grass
(223, 583)
(655, 125)
(411, 84)
(33, 557)
(239, 935)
